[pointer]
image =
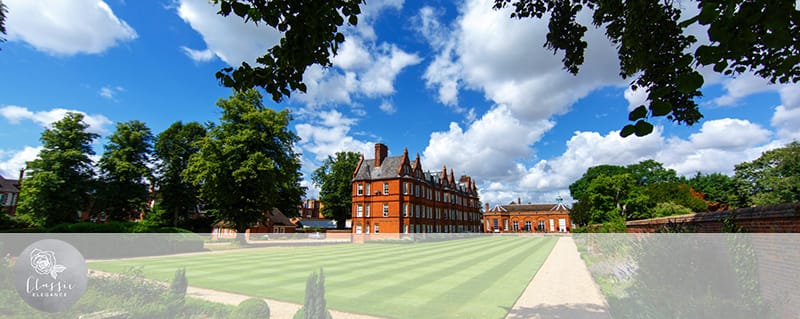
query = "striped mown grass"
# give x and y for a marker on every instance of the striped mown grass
(464, 278)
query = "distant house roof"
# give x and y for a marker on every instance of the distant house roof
(529, 208)
(9, 185)
(276, 217)
(318, 223)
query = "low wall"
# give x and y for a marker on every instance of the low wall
(784, 218)
(778, 252)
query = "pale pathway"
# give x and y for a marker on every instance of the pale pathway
(277, 309)
(562, 288)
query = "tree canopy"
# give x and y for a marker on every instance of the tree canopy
(173, 148)
(123, 185)
(60, 178)
(246, 165)
(310, 36)
(773, 178)
(334, 179)
(654, 46)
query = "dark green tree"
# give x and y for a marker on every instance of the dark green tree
(719, 189)
(311, 35)
(617, 194)
(123, 189)
(173, 148)
(246, 162)
(653, 45)
(676, 193)
(314, 306)
(335, 180)
(578, 188)
(773, 178)
(650, 172)
(59, 179)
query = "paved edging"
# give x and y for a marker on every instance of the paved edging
(562, 288)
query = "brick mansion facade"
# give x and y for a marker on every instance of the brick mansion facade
(393, 195)
(527, 218)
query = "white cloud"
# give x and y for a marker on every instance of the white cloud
(66, 27)
(15, 114)
(11, 161)
(110, 92)
(515, 69)
(378, 80)
(364, 69)
(787, 115)
(488, 147)
(387, 107)
(229, 38)
(717, 147)
(329, 134)
(635, 98)
(199, 55)
(742, 86)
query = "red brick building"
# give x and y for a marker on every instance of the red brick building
(9, 194)
(275, 222)
(393, 195)
(528, 218)
(311, 209)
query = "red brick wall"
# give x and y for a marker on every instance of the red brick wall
(784, 218)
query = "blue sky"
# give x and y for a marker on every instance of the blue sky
(457, 82)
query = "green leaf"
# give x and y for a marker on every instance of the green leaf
(225, 8)
(638, 113)
(689, 83)
(660, 108)
(643, 128)
(339, 37)
(353, 20)
(240, 9)
(627, 130)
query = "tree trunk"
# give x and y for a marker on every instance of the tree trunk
(341, 223)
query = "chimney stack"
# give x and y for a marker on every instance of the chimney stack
(487, 207)
(381, 151)
(519, 201)
(21, 176)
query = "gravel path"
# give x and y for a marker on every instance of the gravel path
(562, 288)
(277, 309)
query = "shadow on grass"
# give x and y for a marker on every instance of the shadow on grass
(571, 311)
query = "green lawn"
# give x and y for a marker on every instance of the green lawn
(465, 278)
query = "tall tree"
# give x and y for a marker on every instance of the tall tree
(173, 148)
(719, 189)
(246, 162)
(123, 185)
(650, 172)
(311, 35)
(60, 178)
(578, 188)
(618, 194)
(335, 180)
(773, 178)
(653, 45)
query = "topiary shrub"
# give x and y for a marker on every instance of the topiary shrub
(301, 314)
(253, 308)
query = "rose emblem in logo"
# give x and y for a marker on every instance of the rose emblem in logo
(50, 284)
(44, 263)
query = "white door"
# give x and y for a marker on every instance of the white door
(552, 225)
(562, 225)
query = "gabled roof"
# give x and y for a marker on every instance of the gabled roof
(387, 170)
(9, 185)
